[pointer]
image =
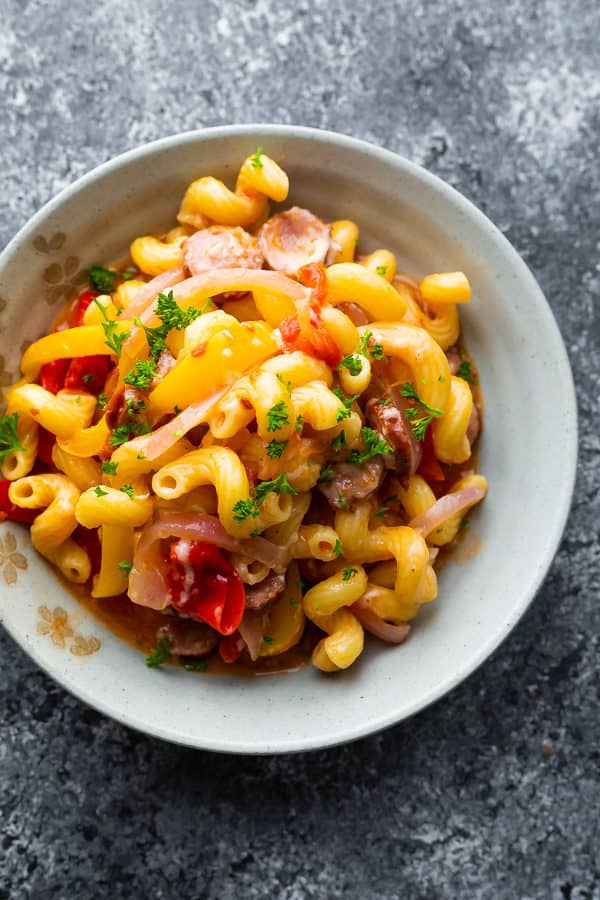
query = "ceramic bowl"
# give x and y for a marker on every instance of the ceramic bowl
(528, 451)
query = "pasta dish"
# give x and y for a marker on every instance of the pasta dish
(249, 438)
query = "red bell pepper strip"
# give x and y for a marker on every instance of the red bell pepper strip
(52, 375)
(8, 510)
(89, 540)
(46, 442)
(83, 301)
(305, 331)
(429, 467)
(232, 647)
(87, 373)
(211, 592)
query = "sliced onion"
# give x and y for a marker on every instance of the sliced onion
(445, 508)
(251, 629)
(149, 292)
(147, 585)
(371, 622)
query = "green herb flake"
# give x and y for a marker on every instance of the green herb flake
(142, 375)
(113, 338)
(341, 502)
(268, 639)
(89, 378)
(286, 384)
(408, 390)
(298, 424)
(123, 433)
(196, 666)
(339, 442)
(109, 468)
(465, 371)
(101, 401)
(160, 654)
(99, 491)
(128, 489)
(275, 448)
(128, 273)
(102, 279)
(326, 474)
(348, 573)
(353, 363)
(9, 438)
(255, 160)
(134, 407)
(125, 566)
(381, 270)
(338, 549)
(277, 416)
(374, 445)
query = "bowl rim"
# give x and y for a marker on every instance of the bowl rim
(564, 489)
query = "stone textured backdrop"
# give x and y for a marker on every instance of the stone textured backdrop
(494, 792)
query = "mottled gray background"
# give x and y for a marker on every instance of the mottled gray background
(495, 791)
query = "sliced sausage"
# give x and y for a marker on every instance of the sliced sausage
(188, 638)
(388, 417)
(219, 247)
(454, 359)
(350, 482)
(474, 426)
(293, 239)
(260, 595)
(354, 312)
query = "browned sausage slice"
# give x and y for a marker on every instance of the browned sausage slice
(187, 638)
(260, 595)
(219, 247)
(392, 424)
(350, 482)
(293, 239)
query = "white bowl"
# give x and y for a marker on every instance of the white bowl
(528, 451)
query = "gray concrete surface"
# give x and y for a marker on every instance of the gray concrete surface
(495, 791)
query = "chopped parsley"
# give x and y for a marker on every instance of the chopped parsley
(441, 379)
(338, 549)
(381, 270)
(173, 316)
(294, 602)
(134, 407)
(345, 410)
(380, 513)
(348, 573)
(255, 160)
(128, 273)
(268, 639)
(339, 441)
(326, 474)
(287, 384)
(128, 489)
(366, 348)
(275, 448)
(109, 468)
(341, 502)
(113, 339)
(88, 378)
(160, 654)
(9, 439)
(298, 424)
(125, 566)
(142, 375)
(374, 445)
(251, 507)
(384, 401)
(353, 363)
(101, 401)
(99, 491)
(277, 416)
(141, 456)
(465, 371)
(196, 666)
(408, 390)
(102, 279)
(123, 433)
(419, 424)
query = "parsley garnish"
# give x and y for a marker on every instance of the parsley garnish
(128, 489)
(9, 439)
(352, 362)
(160, 654)
(408, 390)
(142, 375)
(366, 348)
(102, 279)
(299, 423)
(339, 441)
(384, 401)
(275, 448)
(326, 474)
(381, 512)
(348, 573)
(125, 566)
(277, 416)
(287, 384)
(251, 507)
(419, 425)
(113, 339)
(338, 549)
(141, 456)
(109, 468)
(374, 446)
(381, 270)
(88, 378)
(171, 314)
(129, 273)
(134, 407)
(198, 666)
(465, 370)
(345, 411)
(341, 502)
(123, 433)
(268, 639)
(101, 401)
(99, 491)
(255, 160)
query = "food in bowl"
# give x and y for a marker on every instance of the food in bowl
(259, 436)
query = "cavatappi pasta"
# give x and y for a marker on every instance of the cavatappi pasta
(250, 436)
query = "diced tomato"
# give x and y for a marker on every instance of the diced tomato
(52, 375)
(429, 467)
(89, 540)
(46, 442)
(305, 331)
(8, 510)
(83, 301)
(205, 586)
(87, 373)
(232, 647)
